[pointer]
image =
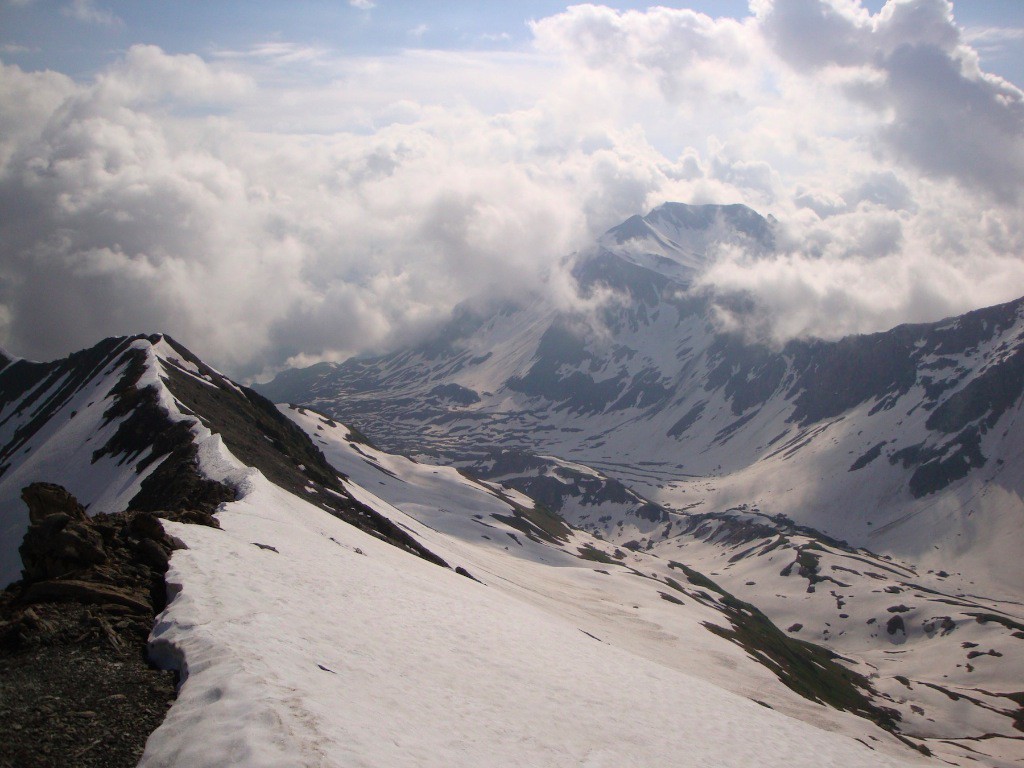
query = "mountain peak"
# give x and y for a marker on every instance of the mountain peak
(676, 239)
(702, 217)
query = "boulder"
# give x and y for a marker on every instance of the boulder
(45, 499)
(145, 525)
(58, 545)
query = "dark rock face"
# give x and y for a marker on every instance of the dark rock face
(57, 546)
(60, 538)
(456, 394)
(75, 687)
(104, 560)
(45, 499)
(895, 624)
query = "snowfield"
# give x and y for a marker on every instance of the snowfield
(339, 650)
(305, 642)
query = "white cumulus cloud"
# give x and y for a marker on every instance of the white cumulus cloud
(290, 203)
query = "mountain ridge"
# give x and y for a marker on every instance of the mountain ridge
(325, 565)
(143, 404)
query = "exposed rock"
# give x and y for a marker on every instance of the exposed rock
(60, 538)
(72, 590)
(895, 624)
(152, 554)
(45, 499)
(147, 526)
(190, 516)
(75, 687)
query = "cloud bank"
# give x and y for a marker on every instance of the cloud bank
(287, 204)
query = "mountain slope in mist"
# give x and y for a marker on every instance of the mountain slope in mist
(904, 441)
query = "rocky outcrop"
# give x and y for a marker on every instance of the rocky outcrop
(60, 538)
(75, 686)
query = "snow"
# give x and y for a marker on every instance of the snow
(338, 649)
(169, 354)
(318, 655)
(836, 616)
(848, 610)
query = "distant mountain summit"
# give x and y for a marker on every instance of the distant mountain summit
(677, 240)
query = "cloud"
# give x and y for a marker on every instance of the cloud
(679, 51)
(815, 32)
(952, 125)
(869, 273)
(147, 74)
(290, 203)
(88, 12)
(911, 65)
(363, 5)
(128, 212)
(278, 53)
(993, 39)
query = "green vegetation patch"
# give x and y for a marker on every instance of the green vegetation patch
(589, 552)
(805, 668)
(537, 523)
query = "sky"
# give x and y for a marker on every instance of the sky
(277, 184)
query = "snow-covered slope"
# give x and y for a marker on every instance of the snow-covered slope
(946, 658)
(405, 614)
(346, 651)
(362, 608)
